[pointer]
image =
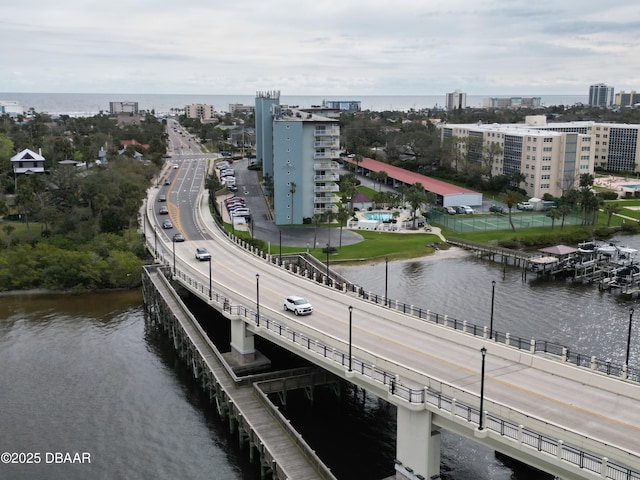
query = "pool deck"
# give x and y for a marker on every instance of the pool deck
(621, 185)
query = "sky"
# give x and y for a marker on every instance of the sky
(306, 47)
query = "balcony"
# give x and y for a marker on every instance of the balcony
(327, 154)
(327, 143)
(327, 132)
(327, 208)
(327, 199)
(328, 165)
(334, 177)
(326, 188)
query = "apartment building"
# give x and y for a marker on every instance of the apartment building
(600, 95)
(123, 107)
(512, 102)
(199, 110)
(299, 150)
(551, 161)
(627, 99)
(456, 100)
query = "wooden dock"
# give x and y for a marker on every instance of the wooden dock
(494, 253)
(282, 452)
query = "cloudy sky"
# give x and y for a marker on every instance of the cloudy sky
(306, 47)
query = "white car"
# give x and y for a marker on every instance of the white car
(297, 305)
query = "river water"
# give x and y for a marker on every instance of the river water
(82, 374)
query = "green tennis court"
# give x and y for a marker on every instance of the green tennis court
(493, 222)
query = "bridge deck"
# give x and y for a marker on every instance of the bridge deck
(275, 439)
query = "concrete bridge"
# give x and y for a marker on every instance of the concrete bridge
(571, 420)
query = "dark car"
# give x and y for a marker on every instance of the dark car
(178, 237)
(496, 209)
(167, 224)
(167, 182)
(162, 198)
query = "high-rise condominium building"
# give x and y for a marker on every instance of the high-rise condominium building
(199, 110)
(299, 151)
(600, 95)
(123, 107)
(456, 100)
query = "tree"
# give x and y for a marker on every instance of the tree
(511, 197)
(292, 191)
(348, 187)
(489, 155)
(611, 209)
(342, 216)
(416, 196)
(564, 210)
(316, 220)
(554, 215)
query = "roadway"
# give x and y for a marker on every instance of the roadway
(606, 410)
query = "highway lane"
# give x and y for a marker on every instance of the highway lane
(428, 351)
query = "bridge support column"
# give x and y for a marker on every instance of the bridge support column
(242, 342)
(418, 445)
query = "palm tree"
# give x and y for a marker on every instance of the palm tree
(511, 197)
(563, 210)
(553, 214)
(342, 216)
(292, 191)
(416, 196)
(611, 209)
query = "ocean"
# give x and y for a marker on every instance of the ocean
(89, 104)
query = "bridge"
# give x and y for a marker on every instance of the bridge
(573, 421)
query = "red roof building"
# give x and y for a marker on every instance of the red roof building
(451, 195)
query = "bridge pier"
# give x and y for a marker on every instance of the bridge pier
(418, 445)
(244, 357)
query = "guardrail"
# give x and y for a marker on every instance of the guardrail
(449, 404)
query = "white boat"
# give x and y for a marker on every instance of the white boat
(608, 249)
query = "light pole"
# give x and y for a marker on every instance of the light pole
(257, 299)
(483, 351)
(386, 280)
(350, 315)
(173, 240)
(210, 296)
(155, 246)
(280, 260)
(327, 264)
(493, 296)
(626, 362)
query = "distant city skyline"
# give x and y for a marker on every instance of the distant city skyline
(372, 47)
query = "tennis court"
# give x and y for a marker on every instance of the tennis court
(494, 222)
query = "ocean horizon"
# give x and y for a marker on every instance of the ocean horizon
(88, 104)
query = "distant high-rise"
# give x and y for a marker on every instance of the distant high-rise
(624, 99)
(123, 107)
(456, 100)
(600, 95)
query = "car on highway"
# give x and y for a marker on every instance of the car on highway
(167, 224)
(163, 210)
(167, 182)
(202, 254)
(297, 305)
(178, 237)
(162, 198)
(175, 166)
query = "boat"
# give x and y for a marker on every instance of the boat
(608, 249)
(587, 247)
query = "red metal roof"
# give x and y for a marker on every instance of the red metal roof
(400, 174)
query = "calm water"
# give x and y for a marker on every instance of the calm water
(87, 104)
(81, 374)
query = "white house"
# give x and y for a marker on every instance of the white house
(27, 162)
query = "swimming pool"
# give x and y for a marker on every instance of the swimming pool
(635, 187)
(379, 216)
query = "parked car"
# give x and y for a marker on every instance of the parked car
(524, 206)
(202, 254)
(241, 212)
(232, 188)
(297, 305)
(163, 210)
(496, 209)
(178, 237)
(450, 210)
(162, 198)
(167, 224)
(467, 209)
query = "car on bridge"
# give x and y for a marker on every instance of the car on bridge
(202, 254)
(167, 224)
(297, 305)
(163, 211)
(178, 237)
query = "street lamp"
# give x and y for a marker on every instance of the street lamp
(493, 296)
(280, 260)
(386, 279)
(327, 264)
(173, 240)
(350, 315)
(210, 295)
(155, 247)
(257, 299)
(483, 351)
(626, 362)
